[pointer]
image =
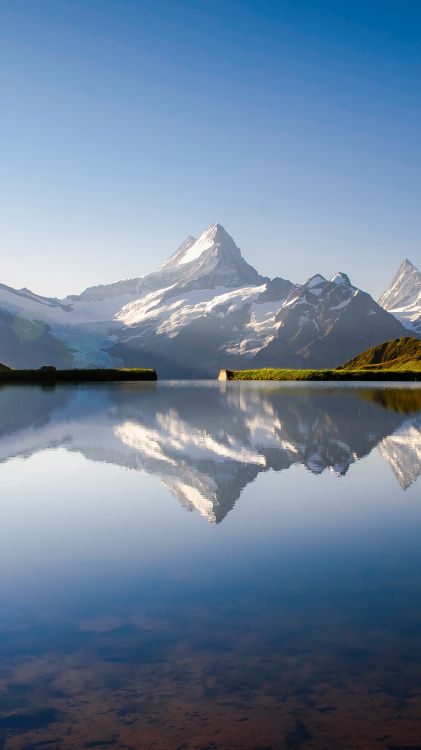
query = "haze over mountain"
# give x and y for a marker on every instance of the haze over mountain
(205, 308)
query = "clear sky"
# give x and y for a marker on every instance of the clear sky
(126, 125)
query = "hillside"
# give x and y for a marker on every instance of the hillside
(398, 354)
(3, 368)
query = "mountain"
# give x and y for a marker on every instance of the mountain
(403, 297)
(399, 354)
(209, 262)
(204, 309)
(213, 260)
(207, 444)
(323, 321)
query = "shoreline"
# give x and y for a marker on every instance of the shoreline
(51, 376)
(319, 375)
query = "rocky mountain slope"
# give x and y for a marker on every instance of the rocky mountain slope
(322, 320)
(205, 308)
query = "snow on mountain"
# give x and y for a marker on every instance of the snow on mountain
(205, 308)
(274, 323)
(321, 321)
(24, 303)
(89, 325)
(174, 311)
(403, 297)
(195, 328)
(214, 258)
(340, 278)
(179, 256)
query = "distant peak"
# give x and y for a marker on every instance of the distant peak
(192, 249)
(215, 232)
(214, 239)
(404, 291)
(406, 263)
(315, 280)
(341, 278)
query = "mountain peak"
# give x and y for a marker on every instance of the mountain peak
(315, 280)
(406, 265)
(217, 233)
(403, 296)
(213, 258)
(215, 230)
(405, 283)
(341, 278)
(192, 249)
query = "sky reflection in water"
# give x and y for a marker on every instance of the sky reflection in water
(206, 566)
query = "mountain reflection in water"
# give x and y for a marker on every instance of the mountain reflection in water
(129, 624)
(207, 442)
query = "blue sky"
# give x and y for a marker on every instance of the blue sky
(127, 125)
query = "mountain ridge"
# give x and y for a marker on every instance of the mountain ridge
(205, 308)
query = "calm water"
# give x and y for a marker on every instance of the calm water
(204, 566)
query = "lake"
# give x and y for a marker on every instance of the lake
(210, 566)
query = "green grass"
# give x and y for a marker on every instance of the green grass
(398, 359)
(291, 375)
(396, 354)
(77, 376)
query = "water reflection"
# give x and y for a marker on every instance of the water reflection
(127, 624)
(208, 442)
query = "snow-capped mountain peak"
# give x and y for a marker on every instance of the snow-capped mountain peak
(403, 297)
(214, 238)
(315, 280)
(210, 261)
(341, 278)
(405, 286)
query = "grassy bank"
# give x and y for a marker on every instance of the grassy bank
(50, 376)
(283, 374)
(397, 354)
